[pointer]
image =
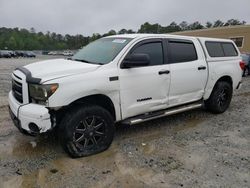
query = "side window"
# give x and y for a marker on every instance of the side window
(214, 49)
(229, 49)
(181, 51)
(221, 49)
(153, 49)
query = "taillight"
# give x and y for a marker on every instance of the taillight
(242, 65)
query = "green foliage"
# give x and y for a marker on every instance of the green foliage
(209, 25)
(23, 39)
(218, 23)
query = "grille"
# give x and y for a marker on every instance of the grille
(17, 90)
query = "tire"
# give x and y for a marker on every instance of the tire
(86, 131)
(220, 98)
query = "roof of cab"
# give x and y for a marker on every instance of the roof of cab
(137, 35)
(142, 35)
(213, 39)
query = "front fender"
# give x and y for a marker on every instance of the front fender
(79, 86)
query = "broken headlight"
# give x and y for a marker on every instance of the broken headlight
(40, 93)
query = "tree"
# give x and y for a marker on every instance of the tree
(32, 30)
(209, 25)
(183, 25)
(11, 44)
(23, 39)
(130, 31)
(148, 28)
(243, 22)
(234, 22)
(123, 31)
(111, 32)
(173, 27)
(218, 23)
(95, 36)
(195, 25)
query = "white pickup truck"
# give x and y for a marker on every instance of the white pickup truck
(122, 78)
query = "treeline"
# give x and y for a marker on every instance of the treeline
(23, 39)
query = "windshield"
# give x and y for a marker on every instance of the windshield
(101, 51)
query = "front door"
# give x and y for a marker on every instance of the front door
(145, 89)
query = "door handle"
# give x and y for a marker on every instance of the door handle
(202, 68)
(164, 72)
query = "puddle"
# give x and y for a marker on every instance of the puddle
(19, 145)
(27, 147)
(62, 168)
(15, 144)
(36, 179)
(111, 168)
(107, 169)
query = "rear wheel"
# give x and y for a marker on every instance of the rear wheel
(220, 98)
(86, 131)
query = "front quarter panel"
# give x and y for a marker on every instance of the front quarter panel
(75, 87)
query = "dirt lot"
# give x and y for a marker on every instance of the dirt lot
(193, 149)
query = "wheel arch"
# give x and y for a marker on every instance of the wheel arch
(95, 99)
(100, 100)
(225, 78)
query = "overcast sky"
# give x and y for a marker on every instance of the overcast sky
(99, 16)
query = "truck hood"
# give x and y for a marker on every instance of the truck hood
(56, 68)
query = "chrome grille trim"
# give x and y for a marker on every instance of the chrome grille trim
(17, 89)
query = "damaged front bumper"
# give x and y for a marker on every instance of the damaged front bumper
(32, 118)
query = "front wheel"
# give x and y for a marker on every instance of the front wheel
(86, 131)
(220, 98)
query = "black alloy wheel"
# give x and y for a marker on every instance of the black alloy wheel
(89, 132)
(86, 130)
(220, 98)
(223, 97)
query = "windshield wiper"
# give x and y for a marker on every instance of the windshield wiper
(85, 61)
(81, 60)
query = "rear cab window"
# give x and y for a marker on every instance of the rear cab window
(221, 49)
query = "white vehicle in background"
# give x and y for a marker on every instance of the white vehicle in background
(67, 53)
(123, 78)
(52, 53)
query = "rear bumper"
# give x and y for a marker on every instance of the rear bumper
(32, 118)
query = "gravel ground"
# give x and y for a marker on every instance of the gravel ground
(192, 149)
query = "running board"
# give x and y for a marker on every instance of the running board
(163, 113)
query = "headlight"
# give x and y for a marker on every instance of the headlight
(41, 93)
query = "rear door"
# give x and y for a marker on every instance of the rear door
(188, 71)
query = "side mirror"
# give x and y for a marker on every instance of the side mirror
(136, 60)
